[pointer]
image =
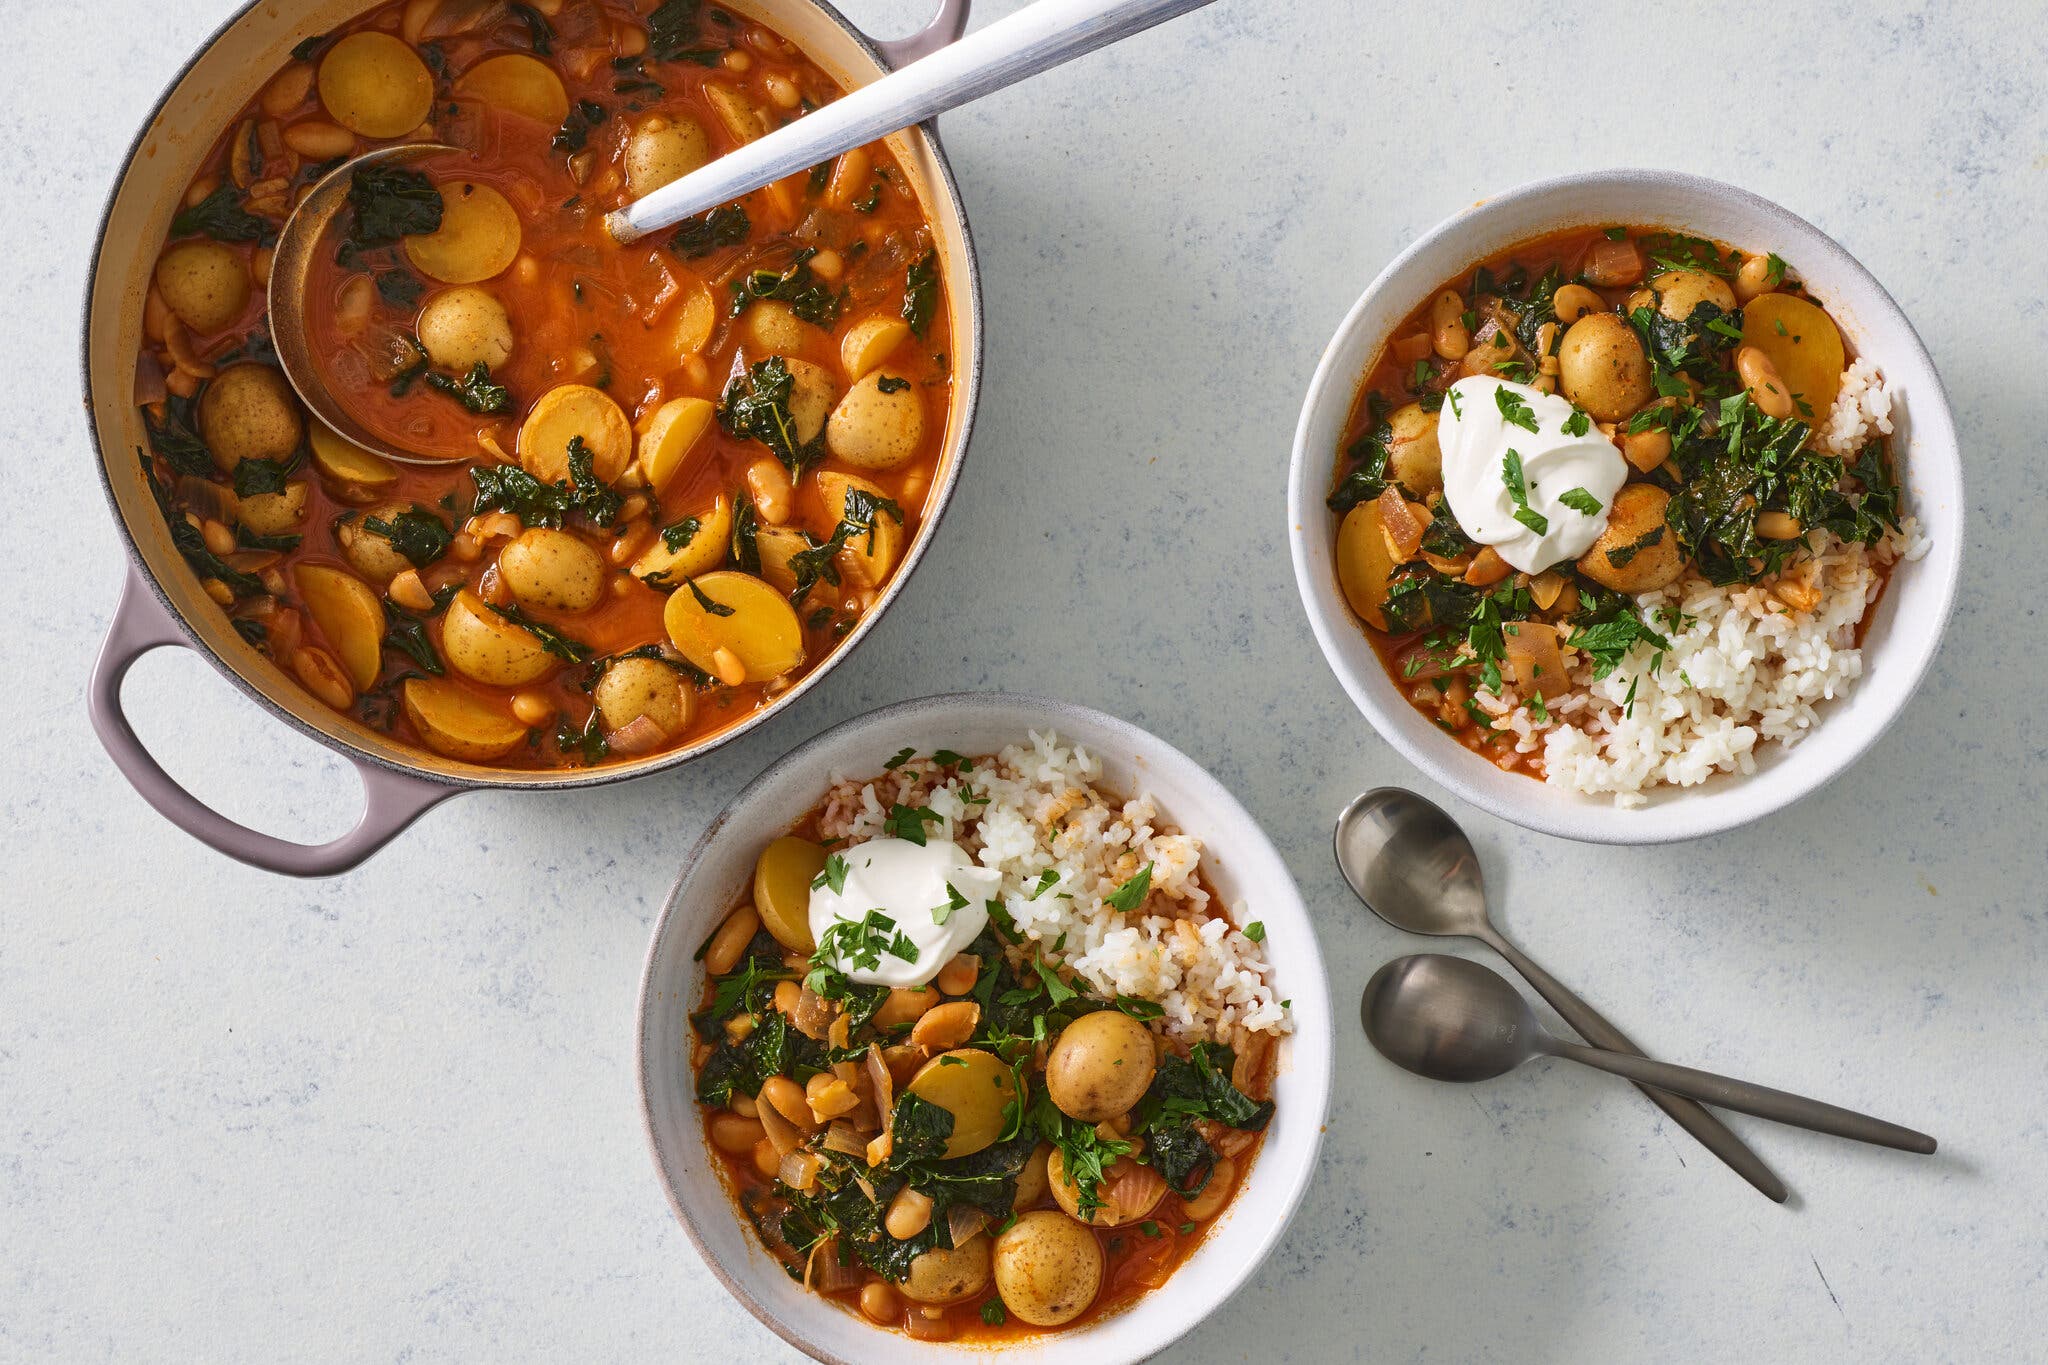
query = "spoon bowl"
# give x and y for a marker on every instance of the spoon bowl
(303, 236)
(1412, 864)
(1448, 1019)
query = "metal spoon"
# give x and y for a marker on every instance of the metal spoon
(1413, 867)
(297, 243)
(1034, 39)
(1453, 1020)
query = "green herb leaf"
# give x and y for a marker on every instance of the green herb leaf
(1132, 893)
(1579, 500)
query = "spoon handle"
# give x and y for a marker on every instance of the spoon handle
(1690, 1115)
(1034, 39)
(1762, 1101)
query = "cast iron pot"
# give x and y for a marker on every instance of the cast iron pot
(162, 602)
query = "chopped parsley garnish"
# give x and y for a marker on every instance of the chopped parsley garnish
(1609, 642)
(833, 876)
(1775, 268)
(1132, 893)
(907, 822)
(903, 756)
(1579, 500)
(1047, 880)
(1511, 475)
(954, 901)
(993, 1314)
(860, 945)
(1514, 410)
(1578, 424)
(1256, 931)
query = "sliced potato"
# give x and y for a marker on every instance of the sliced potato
(878, 424)
(1803, 343)
(477, 239)
(1414, 458)
(695, 319)
(773, 325)
(660, 150)
(249, 412)
(564, 413)
(348, 613)
(633, 688)
(375, 85)
(1679, 292)
(483, 645)
(205, 282)
(274, 514)
(1364, 563)
(455, 721)
(869, 342)
(782, 890)
(869, 556)
(344, 461)
(740, 115)
(518, 84)
(739, 617)
(810, 397)
(973, 1086)
(369, 554)
(550, 568)
(1636, 551)
(465, 327)
(778, 545)
(706, 549)
(670, 434)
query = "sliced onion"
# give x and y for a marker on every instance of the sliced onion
(938, 1326)
(965, 1223)
(825, 1275)
(149, 380)
(884, 1085)
(640, 735)
(1133, 1190)
(842, 1137)
(799, 1169)
(207, 499)
(783, 1135)
(813, 1015)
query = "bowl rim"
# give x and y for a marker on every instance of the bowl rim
(1313, 1057)
(421, 762)
(1691, 812)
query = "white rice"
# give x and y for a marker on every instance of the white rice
(1743, 667)
(1044, 811)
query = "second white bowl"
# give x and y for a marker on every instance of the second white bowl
(1904, 632)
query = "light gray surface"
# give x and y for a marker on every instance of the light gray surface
(392, 1116)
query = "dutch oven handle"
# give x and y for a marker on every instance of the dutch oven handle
(391, 800)
(945, 28)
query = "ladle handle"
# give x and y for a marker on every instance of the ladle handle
(1034, 39)
(1591, 1025)
(1760, 1100)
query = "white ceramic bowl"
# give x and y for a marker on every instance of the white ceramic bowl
(1241, 862)
(1902, 637)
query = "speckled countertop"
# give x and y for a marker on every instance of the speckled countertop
(392, 1116)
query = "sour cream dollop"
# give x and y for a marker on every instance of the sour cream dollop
(1475, 434)
(919, 888)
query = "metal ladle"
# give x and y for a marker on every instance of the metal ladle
(1413, 867)
(1453, 1020)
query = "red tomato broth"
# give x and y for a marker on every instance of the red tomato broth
(568, 285)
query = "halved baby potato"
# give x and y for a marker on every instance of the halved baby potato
(349, 615)
(810, 397)
(695, 318)
(706, 549)
(734, 627)
(1365, 566)
(344, 461)
(273, 514)
(661, 149)
(375, 85)
(773, 325)
(249, 412)
(564, 413)
(369, 554)
(550, 568)
(477, 239)
(878, 424)
(777, 546)
(1803, 343)
(782, 890)
(518, 84)
(869, 555)
(206, 283)
(740, 115)
(457, 722)
(975, 1087)
(483, 645)
(670, 433)
(869, 342)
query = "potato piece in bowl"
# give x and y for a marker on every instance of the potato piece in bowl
(273, 514)
(249, 412)
(734, 627)
(782, 890)
(670, 434)
(662, 149)
(465, 327)
(519, 84)
(481, 644)
(564, 413)
(1099, 1066)
(342, 460)
(375, 85)
(869, 342)
(349, 615)
(682, 552)
(940, 1276)
(635, 688)
(551, 568)
(478, 237)
(204, 282)
(1637, 552)
(457, 722)
(1602, 368)
(1048, 1268)
(877, 540)
(878, 424)
(1365, 566)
